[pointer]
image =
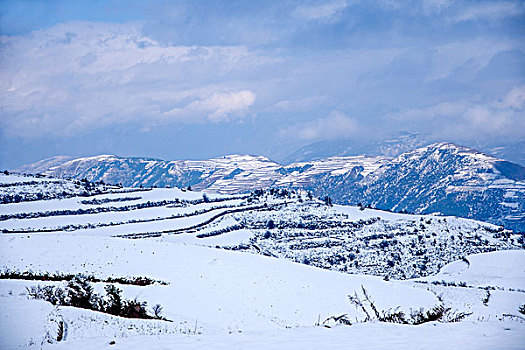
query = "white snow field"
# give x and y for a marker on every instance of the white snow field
(231, 280)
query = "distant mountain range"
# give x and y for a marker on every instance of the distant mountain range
(391, 147)
(440, 178)
(448, 179)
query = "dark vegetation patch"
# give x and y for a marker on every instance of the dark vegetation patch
(57, 277)
(367, 306)
(96, 201)
(79, 292)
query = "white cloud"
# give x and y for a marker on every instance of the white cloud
(222, 105)
(299, 104)
(515, 99)
(326, 11)
(489, 11)
(335, 125)
(441, 110)
(467, 121)
(218, 107)
(435, 6)
(76, 76)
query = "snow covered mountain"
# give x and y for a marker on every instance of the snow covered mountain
(440, 178)
(403, 142)
(228, 174)
(448, 179)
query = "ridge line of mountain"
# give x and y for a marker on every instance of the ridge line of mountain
(438, 178)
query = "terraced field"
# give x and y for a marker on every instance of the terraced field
(281, 223)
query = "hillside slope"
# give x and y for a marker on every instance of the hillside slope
(440, 178)
(448, 179)
(280, 223)
(228, 174)
(263, 270)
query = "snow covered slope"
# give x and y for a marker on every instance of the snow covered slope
(504, 269)
(228, 174)
(393, 147)
(442, 177)
(229, 271)
(283, 223)
(448, 179)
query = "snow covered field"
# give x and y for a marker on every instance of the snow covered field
(219, 296)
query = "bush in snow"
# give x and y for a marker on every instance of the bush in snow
(134, 309)
(367, 306)
(55, 296)
(46, 276)
(157, 311)
(79, 293)
(113, 303)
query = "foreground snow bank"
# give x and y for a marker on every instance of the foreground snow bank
(28, 323)
(438, 336)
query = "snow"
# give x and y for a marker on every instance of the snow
(16, 328)
(14, 178)
(105, 217)
(510, 205)
(29, 322)
(220, 298)
(26, 324)
(504, 269)
(219, 287)
(468, 335)
(153, 195)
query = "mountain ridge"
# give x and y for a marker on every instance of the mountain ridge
(442, 178)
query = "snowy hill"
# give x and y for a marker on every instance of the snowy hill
(393, 147)
(439, 178)
(228, 174)
(284, 223)
(264, 268)
(448, 179)
(152, 172)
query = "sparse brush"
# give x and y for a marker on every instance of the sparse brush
(157, 310)
(455, 316)
(438, 313)
(56, 277)
(79, 293)
(395, 316)
(356, 301)
(435, 314)
(342, 319)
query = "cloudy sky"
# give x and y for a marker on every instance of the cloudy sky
(197, 79)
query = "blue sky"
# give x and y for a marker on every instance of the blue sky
(197, 79)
